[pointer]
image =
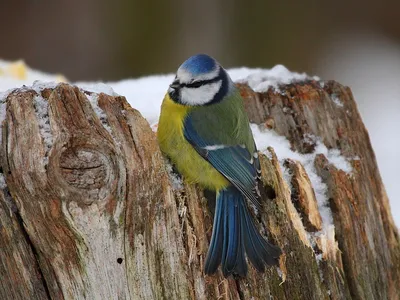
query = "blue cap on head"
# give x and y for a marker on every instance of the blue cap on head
(199, 64)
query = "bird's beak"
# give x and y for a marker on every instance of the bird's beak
(174, 85)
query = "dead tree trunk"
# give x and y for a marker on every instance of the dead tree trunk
(87, 209)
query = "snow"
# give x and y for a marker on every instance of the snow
(38, 85)
(42, 113)
(145, 94)
(260, 80)
(94, 98)
(3, 184)
(268, 138)
(97, 87)
(335, 98)
(175, 180)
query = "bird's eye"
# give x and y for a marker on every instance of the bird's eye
(196, 84)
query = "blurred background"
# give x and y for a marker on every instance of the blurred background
(354, 42)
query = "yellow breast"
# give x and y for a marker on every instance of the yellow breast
(173, 144)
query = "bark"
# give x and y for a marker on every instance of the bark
(89, 210)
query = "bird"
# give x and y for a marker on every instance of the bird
(205, 132)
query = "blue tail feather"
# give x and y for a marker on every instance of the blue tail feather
(214, 256)
(235, 235)
(234, 243)
(261, 248)
(251, 249)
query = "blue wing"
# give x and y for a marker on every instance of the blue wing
(235, 162)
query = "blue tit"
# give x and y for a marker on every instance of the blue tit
(205, 132)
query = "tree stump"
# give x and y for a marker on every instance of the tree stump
(88, 209)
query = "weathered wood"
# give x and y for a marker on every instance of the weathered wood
(20, 274)
(89, 211)
(367, 236)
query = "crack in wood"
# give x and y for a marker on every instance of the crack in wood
(82, 168)
(135, 146)
(239, 290)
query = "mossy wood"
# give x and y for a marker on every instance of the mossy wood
(93, 214)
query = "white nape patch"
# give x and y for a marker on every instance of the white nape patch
(200, 95)
(215, 147)
(185, 76)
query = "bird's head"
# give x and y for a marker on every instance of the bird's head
(200, 80)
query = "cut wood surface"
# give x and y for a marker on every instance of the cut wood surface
(88, 208)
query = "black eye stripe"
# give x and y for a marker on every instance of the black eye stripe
(197, 84)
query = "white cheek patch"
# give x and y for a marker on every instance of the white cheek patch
(200, 95)
(186, 77)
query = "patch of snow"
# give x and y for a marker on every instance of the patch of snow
(97, 87)
(145, 94)
(267, 138)
(4, 95)
(3, 184)
(334, 157)
(335, 98)
(42, 114)
(39, 85)
(260, 80)
(280, 273)
(93, 99)
(286, 173)
(175, 179)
